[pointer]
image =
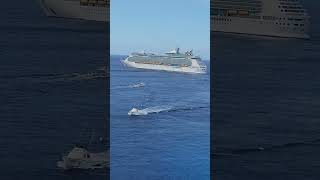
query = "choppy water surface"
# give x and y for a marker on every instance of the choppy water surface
(266, 106)
(169, 138)
(52, 90)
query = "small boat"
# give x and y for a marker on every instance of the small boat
(136, 112)
(80, 158)
(137, 85)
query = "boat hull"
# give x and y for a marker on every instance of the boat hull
(73, 9)
(258, 27)
(96, 161)
(190, 69)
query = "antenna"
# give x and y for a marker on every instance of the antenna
(177, 50)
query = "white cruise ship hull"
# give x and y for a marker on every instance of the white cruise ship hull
(189, 69)
(256, 27)
(73, 9)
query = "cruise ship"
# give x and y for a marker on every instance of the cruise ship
(95, 10)
(280, 18)
(173, 61)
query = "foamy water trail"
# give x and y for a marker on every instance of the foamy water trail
(61, 77)
(79, 77)
(149, 110)
(99, 73)
(159, 109)
(136, 85)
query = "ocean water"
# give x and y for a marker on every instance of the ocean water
(52, 91)
(265, 106)
(170, 140)
(52, 94)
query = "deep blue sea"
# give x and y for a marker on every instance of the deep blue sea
(266, 101)
(172, 141)
(52, 90)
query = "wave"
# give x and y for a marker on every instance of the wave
(159, 109)
(78, 76)
(56, 77)
(146, 111)
(239, 151)
(137, 85)
(29, 76)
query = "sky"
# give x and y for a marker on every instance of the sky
(160, 25)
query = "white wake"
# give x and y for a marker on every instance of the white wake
(149, 110)
(159, 109)
(138, 85)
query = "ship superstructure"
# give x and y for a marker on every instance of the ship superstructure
(282, 18)
(170, 61)
(96, 10)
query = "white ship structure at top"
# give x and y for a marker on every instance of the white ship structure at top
(282, 18)
(95, 10)
(171, 61)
